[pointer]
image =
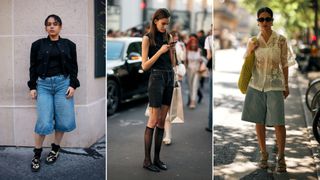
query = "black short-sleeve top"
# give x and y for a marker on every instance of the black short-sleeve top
(164, 62)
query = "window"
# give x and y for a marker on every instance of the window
(134, 47)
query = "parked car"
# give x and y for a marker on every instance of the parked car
(125, 78)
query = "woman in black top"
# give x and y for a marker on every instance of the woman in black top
(53, 80)
(156, 58)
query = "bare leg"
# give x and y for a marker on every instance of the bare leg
(58, 137)
(281, 141)
(281, 138)
(39, 140)
(261, 134)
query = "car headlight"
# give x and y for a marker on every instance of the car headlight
(110, 72)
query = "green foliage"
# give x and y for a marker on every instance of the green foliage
(296, 15)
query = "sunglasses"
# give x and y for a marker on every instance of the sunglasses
(267, 19)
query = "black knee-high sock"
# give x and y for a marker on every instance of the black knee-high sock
(147, 144)
(157, 143)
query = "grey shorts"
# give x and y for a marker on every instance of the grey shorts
(264, 107)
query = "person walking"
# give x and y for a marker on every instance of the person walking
(53, 80)
(208, 46)
(268, 86)
(193, 62)
(157, 57)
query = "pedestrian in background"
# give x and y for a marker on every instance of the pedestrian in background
(181, 57)
(268, 87)
(193, 62)
(156, 58)
(53, 80)
(208, 46)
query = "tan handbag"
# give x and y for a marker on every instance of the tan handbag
(176, 107)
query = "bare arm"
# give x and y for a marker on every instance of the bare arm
(209, 55)
(146, 64)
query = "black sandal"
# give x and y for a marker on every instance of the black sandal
(35, 164)
(53, 154)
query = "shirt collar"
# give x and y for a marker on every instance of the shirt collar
(261, 39)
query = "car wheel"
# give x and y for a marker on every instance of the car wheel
(113, 96)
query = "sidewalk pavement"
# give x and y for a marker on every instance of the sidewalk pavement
(236, 151)
(73, 163)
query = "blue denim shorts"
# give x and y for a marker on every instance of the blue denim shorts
(55, 111)
(264, 107)
(160, 87)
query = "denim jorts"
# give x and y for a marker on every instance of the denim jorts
(55, 111)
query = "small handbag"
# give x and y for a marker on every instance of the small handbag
(246, 73)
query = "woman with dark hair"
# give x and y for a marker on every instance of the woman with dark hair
(268, 86)
(157, 57)
(53, 80)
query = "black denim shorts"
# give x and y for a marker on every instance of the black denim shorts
(160, 87)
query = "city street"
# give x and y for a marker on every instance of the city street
(187, 158)
(236, 151)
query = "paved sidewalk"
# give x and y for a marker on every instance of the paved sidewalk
(73, 163)
(236, 151)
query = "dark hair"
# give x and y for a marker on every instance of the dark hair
(265, 9)
(55, 17)
(159, 14)
(193, 35)
(176, 33)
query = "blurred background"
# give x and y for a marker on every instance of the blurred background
(131, 17)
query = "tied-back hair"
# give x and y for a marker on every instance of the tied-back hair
(159, 14)
(265, 9)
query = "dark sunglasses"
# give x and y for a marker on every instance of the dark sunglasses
(268, 19)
